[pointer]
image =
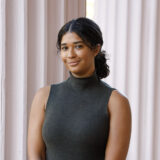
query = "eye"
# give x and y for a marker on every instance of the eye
(79, 46)
(64, 48)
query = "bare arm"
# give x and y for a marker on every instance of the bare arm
(120, 127)
(36, 146)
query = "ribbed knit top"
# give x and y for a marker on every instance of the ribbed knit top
(76, 124)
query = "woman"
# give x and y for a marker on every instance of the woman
(82, 118)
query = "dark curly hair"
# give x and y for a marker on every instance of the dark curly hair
(91, 34)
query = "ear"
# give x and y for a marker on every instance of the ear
(97, 49)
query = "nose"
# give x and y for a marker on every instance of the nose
(71, 53)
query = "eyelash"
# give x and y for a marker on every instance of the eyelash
(64, 48)
(76, 46)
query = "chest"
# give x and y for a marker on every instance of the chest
(78, 119)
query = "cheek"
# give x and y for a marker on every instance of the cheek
(63, 58)
(88, 58)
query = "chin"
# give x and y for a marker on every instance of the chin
(76, 71)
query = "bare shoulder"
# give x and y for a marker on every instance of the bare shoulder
(45, 94)
(42, 95)
(118, 102)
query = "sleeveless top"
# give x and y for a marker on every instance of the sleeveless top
(76, 123)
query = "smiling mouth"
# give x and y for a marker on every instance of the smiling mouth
(73, 63)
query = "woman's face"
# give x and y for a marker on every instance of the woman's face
(77, 56)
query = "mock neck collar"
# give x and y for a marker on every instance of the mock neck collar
(82, 83)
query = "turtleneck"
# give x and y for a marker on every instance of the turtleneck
(82, 83)
(76, 125)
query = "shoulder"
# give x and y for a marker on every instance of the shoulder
(42, 95)
(43, 92)
(118, 103)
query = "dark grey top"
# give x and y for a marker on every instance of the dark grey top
(76, 121)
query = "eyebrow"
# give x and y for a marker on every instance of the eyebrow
(63, 44)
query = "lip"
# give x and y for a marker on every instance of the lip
(73, 63)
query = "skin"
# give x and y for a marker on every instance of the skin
(82, 57)
(74, 50)
(36, 146)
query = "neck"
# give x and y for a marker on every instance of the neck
(88, 74)
(83, 82)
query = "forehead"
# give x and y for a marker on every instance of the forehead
(70, 37)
